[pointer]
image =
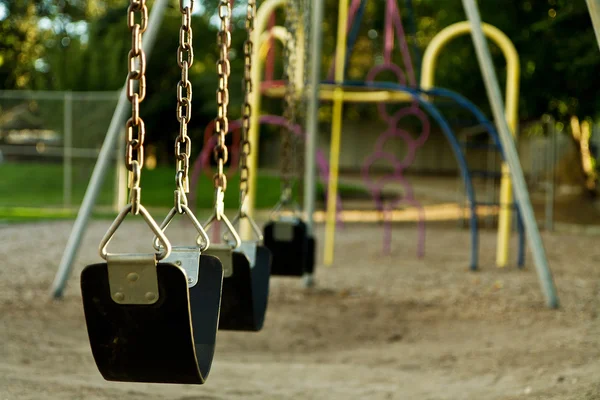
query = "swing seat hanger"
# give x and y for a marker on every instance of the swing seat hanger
(181, 207)
(242, 214)
(219, 215)
(132, 278)
(223, 251)
(286, 205)
(186, 257)
(247, 247)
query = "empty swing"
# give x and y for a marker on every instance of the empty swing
(153, 317)
(286, 234)
(246, 264)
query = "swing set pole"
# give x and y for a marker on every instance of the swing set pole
(108, 147)
(312, 115)
(512, 158)
(594, 8)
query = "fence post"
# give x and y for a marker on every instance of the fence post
(551, 167)
(67, 149)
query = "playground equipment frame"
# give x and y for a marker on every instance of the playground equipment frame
(263, 15)
(511, 155)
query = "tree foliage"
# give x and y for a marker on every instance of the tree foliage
(83, 44)
(554, 38)
(21, 43)
(557, 48)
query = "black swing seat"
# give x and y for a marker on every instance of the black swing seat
(170, 341)
(245, 286)
(292, 247)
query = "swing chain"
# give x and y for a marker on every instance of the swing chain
(135, 127)
(221, 123)
(246, 116)
(185, 59)
(247, 107)
(287, 151)
(134, 154)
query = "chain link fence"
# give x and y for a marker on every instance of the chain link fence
(49, 143)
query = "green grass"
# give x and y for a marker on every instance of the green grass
(18, 214)
(32, 214)
(34, 191)
(30, 184)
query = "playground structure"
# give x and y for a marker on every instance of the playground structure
(363, 92)
(506, 143)
(355, 309)
(393, 23)
(416, 96)
(341, 91)
(379, 327)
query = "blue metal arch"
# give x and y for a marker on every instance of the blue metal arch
(447, 130)
(353, 34)
(483, 120)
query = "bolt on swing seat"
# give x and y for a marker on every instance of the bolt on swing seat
(144, 324)
(246, 273)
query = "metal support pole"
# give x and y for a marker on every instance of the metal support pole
(67, 149)
(594, 8)
(116, 123)
(512, 157)
(551, 168)
(312, 118)
(312, 115)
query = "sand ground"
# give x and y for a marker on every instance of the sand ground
(375, 327)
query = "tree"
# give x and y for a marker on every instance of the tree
(555, 40)
(20, 43)
(556, 44)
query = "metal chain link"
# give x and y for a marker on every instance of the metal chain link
(247, 108)
(223, 69)
(185, 59)
(135, 128)
(289, 113)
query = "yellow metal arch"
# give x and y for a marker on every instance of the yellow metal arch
(511, 110)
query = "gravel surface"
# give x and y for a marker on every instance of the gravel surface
(375, 327)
